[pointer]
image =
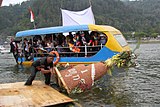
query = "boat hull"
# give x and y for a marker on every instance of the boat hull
(81, 76)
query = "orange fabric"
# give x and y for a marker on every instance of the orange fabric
(74, 48)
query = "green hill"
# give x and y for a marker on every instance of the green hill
(140, 16)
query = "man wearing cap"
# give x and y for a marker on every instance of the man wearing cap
(45, 65)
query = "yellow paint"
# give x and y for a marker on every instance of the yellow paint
(112, 43)
(29, 63)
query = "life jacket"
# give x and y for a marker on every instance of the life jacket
(74, 48)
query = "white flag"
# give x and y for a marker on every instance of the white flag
(78, 18)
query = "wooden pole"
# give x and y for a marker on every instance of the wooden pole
(60, 19)
(90, 3)
(1, 2)
(34, 25)
(60, 78)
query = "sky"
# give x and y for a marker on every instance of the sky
(7, 2)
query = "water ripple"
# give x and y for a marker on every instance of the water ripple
(133, 87)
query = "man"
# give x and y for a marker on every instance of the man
(14, 49)
(45, 65)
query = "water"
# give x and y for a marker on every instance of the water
(138, 86)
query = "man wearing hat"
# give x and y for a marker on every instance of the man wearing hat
(44, 65)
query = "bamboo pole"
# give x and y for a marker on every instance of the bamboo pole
(90, 3)
(1, 2)
(61, 79)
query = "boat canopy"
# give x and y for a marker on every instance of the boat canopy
(64, 29)
(51, 30)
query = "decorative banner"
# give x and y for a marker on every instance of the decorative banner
(78, 18)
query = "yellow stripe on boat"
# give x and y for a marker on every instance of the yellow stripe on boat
(112, 43)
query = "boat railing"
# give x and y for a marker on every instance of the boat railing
(85, 51)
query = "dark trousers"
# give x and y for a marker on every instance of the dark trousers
(33, 75)
(26, 55)
(15, 54)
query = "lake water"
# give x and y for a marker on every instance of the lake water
(138, 86)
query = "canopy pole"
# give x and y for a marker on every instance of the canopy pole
(1, 2)
(32, 49)
(61, 13)
(34, 25)
(90, 3)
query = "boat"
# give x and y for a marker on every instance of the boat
(115, 43)
(4, 49)
(1, 47)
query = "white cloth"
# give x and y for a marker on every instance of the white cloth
(93, 73)
(77, 18)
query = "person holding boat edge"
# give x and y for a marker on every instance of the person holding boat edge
(45, 65)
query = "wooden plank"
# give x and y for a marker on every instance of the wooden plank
(39, 94)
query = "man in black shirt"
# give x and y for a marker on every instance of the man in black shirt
(45, 65)
(14, 49)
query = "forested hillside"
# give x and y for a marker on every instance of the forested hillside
(139, 16)
(148, 20)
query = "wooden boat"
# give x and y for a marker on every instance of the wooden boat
(115, 43)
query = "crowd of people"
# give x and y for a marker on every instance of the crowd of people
(65, 45)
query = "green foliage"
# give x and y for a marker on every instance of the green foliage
(154, 35)
(140, 34)
(124, 59)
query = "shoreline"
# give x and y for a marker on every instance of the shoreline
(144, 41)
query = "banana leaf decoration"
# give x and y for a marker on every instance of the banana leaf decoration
(124, 59)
